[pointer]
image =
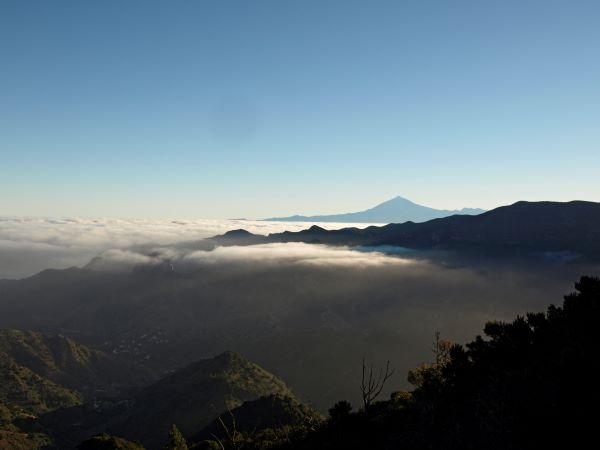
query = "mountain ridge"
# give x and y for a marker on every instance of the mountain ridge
(42, 374)
(523, 227)
(272, 411)
(61, 369)
(395, 210)
(193, 396)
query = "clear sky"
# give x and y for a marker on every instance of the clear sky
(219, 109)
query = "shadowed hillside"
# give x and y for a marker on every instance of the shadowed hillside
(107, 442)
(193, 396)
(42, 374)
(269, 412)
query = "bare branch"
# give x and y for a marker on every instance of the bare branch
(371, 385)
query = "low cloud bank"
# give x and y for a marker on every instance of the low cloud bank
(29, 245)
(184, 260)
(307, 312)
(295, 253)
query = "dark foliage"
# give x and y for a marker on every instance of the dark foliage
(528, 384)
(107, 442)
(272, 411)
(193, 396)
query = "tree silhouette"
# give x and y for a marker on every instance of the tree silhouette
(340, 411)
(528, 384)
(371, 385)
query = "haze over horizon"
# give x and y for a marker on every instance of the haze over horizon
(261, 109)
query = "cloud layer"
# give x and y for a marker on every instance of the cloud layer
(307, 312)
(29, 245)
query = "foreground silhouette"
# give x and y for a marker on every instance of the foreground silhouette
(528, 384)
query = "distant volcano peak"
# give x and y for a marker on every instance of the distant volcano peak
(396, 210)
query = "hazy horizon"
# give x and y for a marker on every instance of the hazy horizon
(200, 216)
(30, 245)
(265, 217)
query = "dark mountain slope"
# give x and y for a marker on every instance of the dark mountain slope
(17, 440)
(35, 302)
(107, 442)
(23, 393)
(68, 363)
(41, 373)
(195, 395)
(273, 411)
(519, 228)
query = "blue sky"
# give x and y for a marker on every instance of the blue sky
(261, 108)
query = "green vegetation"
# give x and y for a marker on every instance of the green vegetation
(25, 393)
(27, 365)
(41, 374)
(64, 362)
(12, 439)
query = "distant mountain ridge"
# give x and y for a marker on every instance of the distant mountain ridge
(396, 210)
(566, 229)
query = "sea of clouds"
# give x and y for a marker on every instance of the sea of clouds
(30, 245)
(325, 305)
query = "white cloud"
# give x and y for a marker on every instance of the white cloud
(29, 245)
(293, 253)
